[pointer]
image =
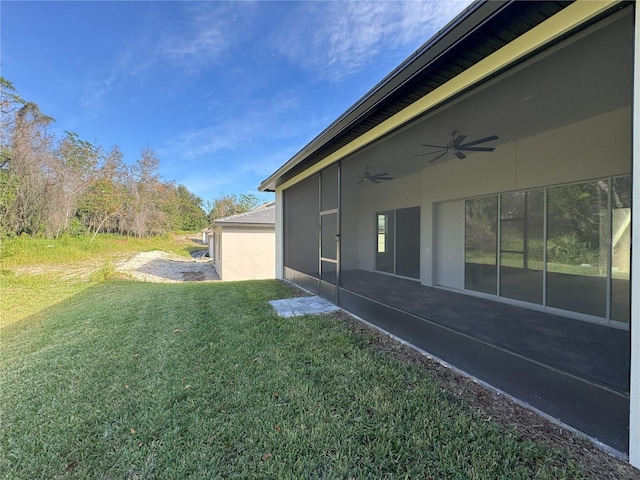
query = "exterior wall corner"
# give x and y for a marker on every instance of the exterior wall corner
(279, 235)
(634, 395)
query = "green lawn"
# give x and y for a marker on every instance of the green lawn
(127, 380)
(58, 269)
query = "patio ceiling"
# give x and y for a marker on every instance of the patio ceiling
(588, 75)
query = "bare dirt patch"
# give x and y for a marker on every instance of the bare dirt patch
(163, 267)
(155, 266)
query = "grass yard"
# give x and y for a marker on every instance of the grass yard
(128, 380)
(36, 273)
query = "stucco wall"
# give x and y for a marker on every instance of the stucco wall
(248, 253)
(400, 193)
(593, 148)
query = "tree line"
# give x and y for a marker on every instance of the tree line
(52, 185)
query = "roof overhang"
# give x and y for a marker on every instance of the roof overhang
(464, 50)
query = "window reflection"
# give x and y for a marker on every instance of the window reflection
(521, 245)
(480, 244)
(398, 242)
(386, 246)
(620, 249)
(576, 247)
(587, 245)
(382, 233)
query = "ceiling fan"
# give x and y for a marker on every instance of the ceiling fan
(374, 178)
(458, 147)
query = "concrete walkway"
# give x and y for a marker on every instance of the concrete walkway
(292, 307)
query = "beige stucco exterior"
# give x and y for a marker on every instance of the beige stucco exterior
(243, 252)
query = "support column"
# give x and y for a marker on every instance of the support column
(634, 415)
(279, 234)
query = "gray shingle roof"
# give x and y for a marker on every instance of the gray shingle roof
(263, 215)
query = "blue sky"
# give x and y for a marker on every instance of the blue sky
(223, 92)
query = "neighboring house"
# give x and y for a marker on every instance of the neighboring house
(242, 246)
(477, 203)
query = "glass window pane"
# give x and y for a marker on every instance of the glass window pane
(382, 229)
(620, 249)
(408, 242)
(481, 218)
(385, 255)
(576, 247)
(521, 245)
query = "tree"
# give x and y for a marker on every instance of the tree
(10, 101)
(31, 169)
(184, 209)
(226, 205)
(76, 165)
(142, 215)
(105, 196)
(46, 183)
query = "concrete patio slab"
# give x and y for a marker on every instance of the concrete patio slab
(292, 307)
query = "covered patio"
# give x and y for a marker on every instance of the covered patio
(577, 372)
(484, 213)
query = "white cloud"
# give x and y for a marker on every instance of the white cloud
(209, 31)
(197, 37)
(266, 119)
(339, 38)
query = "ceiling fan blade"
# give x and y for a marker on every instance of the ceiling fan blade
(432, 146)
(445, 150)
(360, 181)
(477, 149)
(458, 140)
(477, 142)
(380, 175)
(460, 155)
(439, 156)
(374, 180)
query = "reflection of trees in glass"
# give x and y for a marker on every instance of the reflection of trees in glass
(621, 227)
(621, 192)
(620, 248)
(481, 230)
(577, 223)
(522, 228)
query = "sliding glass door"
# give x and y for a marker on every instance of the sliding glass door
(621, 249)
(386, 241)
(566, 247)
(480, 240)
(522, 245)
(398, 242)
(577, 219)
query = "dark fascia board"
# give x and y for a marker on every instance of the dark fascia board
(470, 19)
